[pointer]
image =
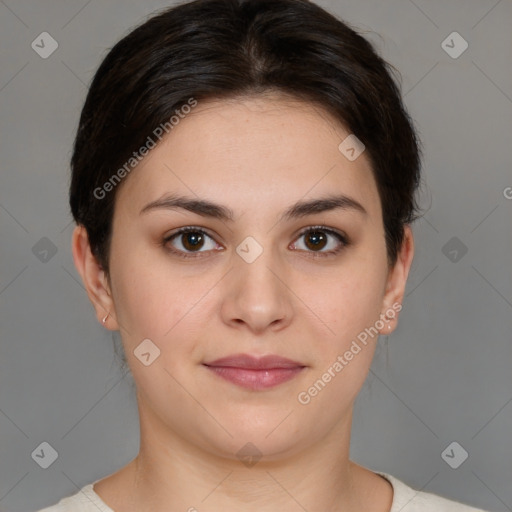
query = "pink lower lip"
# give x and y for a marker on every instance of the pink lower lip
(256, 379)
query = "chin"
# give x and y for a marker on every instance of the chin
(267, 436)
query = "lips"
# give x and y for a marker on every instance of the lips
(255, 373)
(255, 363)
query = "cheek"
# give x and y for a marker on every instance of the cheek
(346, 301)
(149, 300)
(345, 341)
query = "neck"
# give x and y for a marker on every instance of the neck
(170, 471)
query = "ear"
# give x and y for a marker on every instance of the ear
(94, 278)
(397, 279)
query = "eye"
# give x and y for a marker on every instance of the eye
(191, 239)
(317, 238)
(187, 242)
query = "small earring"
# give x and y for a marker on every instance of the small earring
(105, 318)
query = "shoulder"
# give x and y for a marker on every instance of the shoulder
(85, 500)
(407, 499)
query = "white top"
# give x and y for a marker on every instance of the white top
(405, 499)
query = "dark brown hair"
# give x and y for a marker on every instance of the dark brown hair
(218, 49)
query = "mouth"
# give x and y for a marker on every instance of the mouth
(256, 373)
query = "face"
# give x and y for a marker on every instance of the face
(269, 277)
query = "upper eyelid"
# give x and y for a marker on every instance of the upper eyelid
(184, 229)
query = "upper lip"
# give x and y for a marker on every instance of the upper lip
(254, 362)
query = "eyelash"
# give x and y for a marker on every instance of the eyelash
(193, 229)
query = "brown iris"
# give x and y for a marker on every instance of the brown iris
(192, 240)
(318, 239)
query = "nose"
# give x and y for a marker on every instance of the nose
(257, 296)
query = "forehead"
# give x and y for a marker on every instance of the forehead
(249, 152)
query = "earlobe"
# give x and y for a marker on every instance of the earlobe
(94, 278)
(397, 280)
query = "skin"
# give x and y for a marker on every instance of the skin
(257, 156)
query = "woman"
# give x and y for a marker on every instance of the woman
(243, 182)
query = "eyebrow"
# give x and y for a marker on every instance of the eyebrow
(300, 209)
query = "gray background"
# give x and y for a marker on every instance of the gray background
(443, 376)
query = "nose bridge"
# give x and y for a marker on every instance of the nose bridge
(259, 297)
(256, 263)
